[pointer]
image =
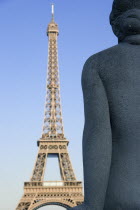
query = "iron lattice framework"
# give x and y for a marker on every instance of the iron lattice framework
(37, 192)
(53, 125)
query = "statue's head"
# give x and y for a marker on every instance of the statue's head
(125, 18)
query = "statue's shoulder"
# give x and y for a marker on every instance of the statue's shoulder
(94, 61)
(97, 62)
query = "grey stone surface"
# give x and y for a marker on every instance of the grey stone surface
(111, 139)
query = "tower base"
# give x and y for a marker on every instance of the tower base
(61, 193)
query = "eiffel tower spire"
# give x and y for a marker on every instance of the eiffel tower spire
(52, 12)
(53, 123)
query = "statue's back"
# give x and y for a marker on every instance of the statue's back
(120, 72)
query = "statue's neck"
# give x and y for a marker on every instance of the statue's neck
(133, 39)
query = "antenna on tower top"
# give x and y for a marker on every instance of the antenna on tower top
(52, 12)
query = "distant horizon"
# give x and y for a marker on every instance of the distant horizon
(84, 30)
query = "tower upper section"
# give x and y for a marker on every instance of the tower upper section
(53, 125)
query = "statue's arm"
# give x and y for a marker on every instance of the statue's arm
(97, 140)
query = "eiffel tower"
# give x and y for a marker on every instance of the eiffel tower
(38, 192)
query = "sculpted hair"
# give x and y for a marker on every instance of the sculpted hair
(119, 8)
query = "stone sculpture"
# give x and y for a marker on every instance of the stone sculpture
(111, 139)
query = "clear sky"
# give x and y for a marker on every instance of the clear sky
(84, 30)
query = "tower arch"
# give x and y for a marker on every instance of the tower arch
(40, 204)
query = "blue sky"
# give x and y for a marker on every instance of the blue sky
(84, 30)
